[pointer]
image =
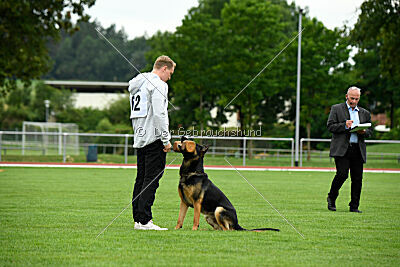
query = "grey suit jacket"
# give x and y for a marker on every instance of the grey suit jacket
(340, 135)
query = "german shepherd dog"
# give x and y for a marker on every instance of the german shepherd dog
(198, 192)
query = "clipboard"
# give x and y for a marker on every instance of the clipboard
(362, 126)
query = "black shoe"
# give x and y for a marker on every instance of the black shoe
(331, 204)
(355, 210)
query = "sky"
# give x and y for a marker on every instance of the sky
(139, 17)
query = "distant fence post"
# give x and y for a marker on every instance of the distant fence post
(23, 138)
(244, 151)
(126, 148)
(60, 139)
(292, 153)
(301, 152)
(1, 138)
(213, 148)
(65, 147)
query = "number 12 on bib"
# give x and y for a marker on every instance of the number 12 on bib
(138, 103)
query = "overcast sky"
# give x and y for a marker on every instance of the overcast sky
(140, 17)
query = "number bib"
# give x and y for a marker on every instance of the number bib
(138, 103)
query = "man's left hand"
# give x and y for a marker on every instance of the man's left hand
(167, 148)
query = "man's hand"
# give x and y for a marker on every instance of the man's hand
(167, 148)
(349, 123)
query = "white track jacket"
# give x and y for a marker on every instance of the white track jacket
(149, 109)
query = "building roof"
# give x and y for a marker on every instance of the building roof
(90, 86)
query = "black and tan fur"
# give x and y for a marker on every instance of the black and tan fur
(198, 192)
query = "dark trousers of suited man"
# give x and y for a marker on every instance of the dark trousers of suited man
(352, 161)
(348, 148)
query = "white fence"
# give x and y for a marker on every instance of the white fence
(366, 141)
(49, 142)
(227, 146)
(238, 147)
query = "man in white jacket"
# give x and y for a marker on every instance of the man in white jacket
(149, 114)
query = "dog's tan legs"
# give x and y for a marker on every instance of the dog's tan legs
(182, 213)
(223, 223)
(213, 222)
(196, 219)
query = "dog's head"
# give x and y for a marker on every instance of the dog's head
(193, 155)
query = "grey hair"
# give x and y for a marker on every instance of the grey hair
(353, 88)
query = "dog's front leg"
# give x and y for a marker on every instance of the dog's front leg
(182, 213)
(196, 219)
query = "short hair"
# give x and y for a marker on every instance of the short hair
(352, 88)
(162, 61)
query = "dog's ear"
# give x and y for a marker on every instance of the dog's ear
(203, 150)
(183, 138)
(189, 146)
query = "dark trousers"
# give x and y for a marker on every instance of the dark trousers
(352, 161)
(150, 168)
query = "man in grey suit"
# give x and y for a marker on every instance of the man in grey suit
(348, 148)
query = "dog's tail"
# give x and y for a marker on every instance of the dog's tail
(264, 229)
(240, 228)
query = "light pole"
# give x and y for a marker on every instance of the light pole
(298, 94)
(47, 105)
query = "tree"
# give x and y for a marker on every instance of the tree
(258, 31)
(216, 39)
(87, 56)
(195, 46)
(118, 114)
(26, 103)
(366, 74)
(218, 54)
(377, 35)
(198, 43)
(253, 32)
(323, 80)
(26, 26)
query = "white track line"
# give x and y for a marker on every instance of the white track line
(176, 167)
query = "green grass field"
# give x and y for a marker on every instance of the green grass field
(51, 216)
